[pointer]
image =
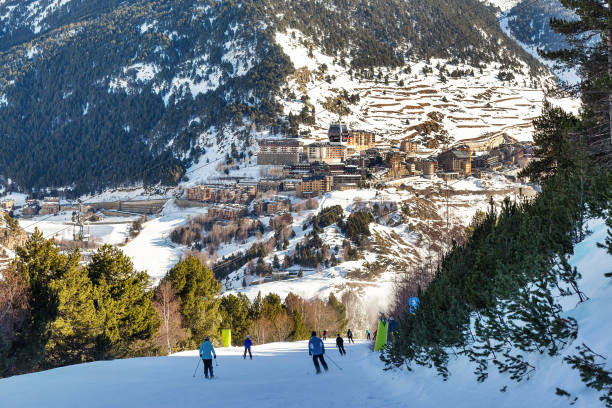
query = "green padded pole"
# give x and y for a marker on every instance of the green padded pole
(226, 337)
(381, 335)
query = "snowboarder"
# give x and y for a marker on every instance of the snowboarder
(340, 344)
(247, 347)
(368, 334)
(316, 349)
(349, 335)
(207, 352)
(324, 334)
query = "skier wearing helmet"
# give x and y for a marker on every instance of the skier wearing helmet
(247, 347)
(316, 349)
(207, 352)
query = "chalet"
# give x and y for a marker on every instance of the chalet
(449, 175)
(296, 170)
(342, 182)
(269, 185)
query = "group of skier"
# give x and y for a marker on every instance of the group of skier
(316, 349)
(207, 353)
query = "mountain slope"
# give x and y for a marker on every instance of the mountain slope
(282, 374)
(101, 93)
(529, 23)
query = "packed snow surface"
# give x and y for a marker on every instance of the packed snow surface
(152, 250)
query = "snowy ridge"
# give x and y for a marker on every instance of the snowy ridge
(282, 374)
(569, 76)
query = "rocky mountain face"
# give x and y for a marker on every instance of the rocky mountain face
(104, 93)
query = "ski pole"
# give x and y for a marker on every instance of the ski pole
(330, 359)
(196, 370)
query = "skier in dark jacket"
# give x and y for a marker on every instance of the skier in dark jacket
(392, 327)
(324, 334)
(349, 335)
(207, 351)
(247, 347)
(340, 344)
(316, 349)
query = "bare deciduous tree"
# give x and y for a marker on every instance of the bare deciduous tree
(14, 297)
(262, 330)
(409, 285)
(167, 305)
(282, 327)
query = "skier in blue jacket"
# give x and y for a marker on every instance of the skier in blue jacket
(247, 347)
(316, 349)
(207, 352)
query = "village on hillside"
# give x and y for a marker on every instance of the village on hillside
(249, 230)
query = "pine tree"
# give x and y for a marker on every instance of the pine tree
(124, 299)
(271, 306)
(40, 263)
(255, 309)
(74, 331)
(299, 330)
(593, 372)
(553, 144)
(590, 50)
(198, 291)
(340, 310)
(235, 316)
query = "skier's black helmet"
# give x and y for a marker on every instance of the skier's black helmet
(314, 333)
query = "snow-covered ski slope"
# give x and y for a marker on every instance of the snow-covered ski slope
(282, 374)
